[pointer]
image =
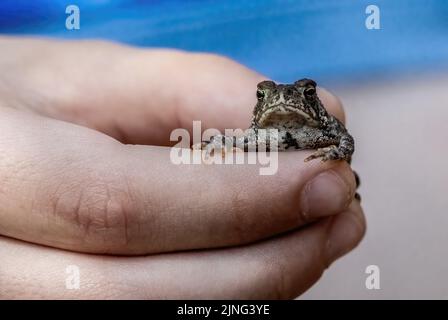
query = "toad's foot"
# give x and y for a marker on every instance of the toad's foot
(218, 144)
(328, 153)
(200, 146)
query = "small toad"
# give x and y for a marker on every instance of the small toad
(301, 122)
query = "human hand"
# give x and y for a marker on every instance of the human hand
(83, 183)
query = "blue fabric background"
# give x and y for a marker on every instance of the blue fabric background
(326, 40)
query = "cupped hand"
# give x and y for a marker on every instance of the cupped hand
(85, 167)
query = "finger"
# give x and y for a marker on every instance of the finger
(137, 96)
(70, 187)
(283, 267)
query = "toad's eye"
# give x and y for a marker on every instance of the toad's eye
(310, 92)
(260, 94)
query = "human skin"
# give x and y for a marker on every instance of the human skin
(85, 167)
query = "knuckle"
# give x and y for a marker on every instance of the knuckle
(279, 281)
(97, 212)
(219, 62)
(217, 58)
(281, 278)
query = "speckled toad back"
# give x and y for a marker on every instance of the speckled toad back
(300, 118)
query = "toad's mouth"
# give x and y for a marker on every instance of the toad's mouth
(278, 115)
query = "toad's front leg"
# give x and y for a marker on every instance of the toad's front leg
(253, 140)
(219, 144)
(341, 151)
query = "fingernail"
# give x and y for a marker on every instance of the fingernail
(345, 232)
(326, 194)
(357, 179)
